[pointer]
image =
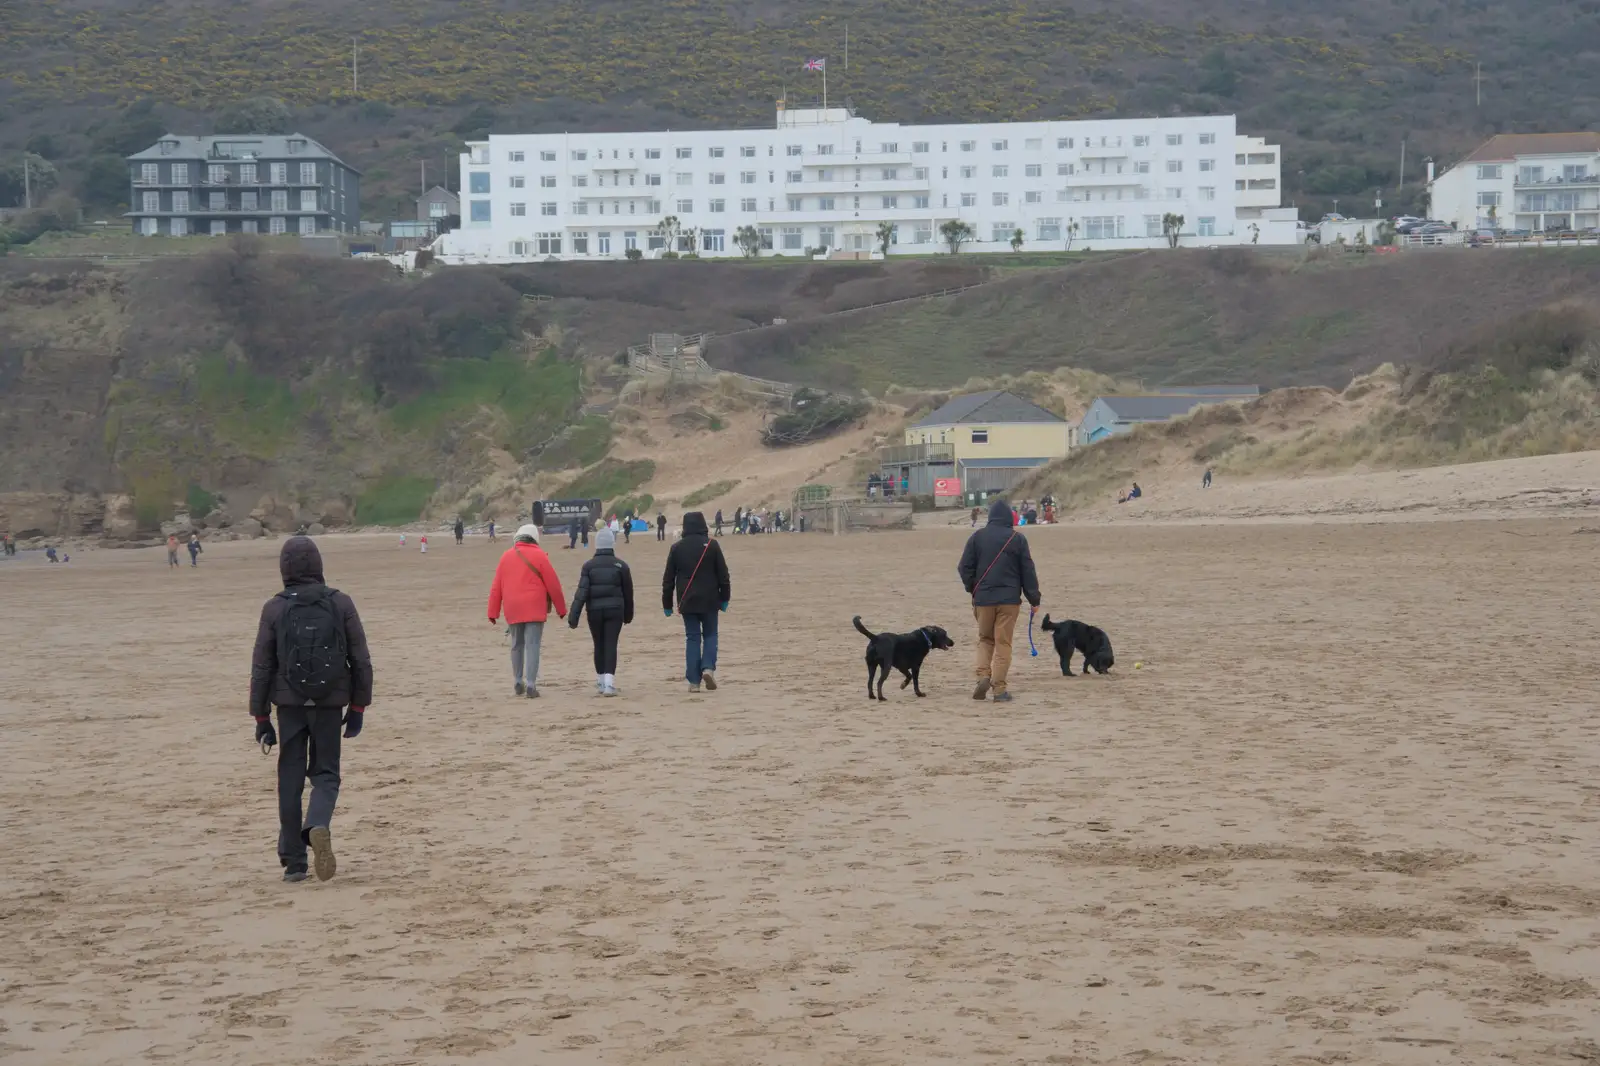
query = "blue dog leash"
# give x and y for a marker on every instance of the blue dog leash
(1033, 650)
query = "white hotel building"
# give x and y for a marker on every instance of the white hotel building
(827, 179)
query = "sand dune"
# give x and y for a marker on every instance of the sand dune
(1346, 813)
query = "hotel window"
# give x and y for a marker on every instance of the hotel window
(217, 201)
(150, 173)
(180, 202)
(718, 179)
(580, 242)
(1033, 170)
(747, 152)
(1102, 227)
(1174, 194)
(518, 181)
(1486, 171)
(765, 233)
(685, 153)
(791, 238)
(890, 147)
(919, 202)
(580, 181)
(714, 153)
(1485, 199)
(969, 199)
(520, 247)
(1152, 225)
(308, 199)
(1174, 166)
(480, 210)
(1174, 139)
(308, 225)
(1001, 171)
(180, 227)
(247, 201)
(180, 173)
(1208, 192)
(969, 172)
(519, 210)
(980, 436)
(923, 234)
(276, 225)
(1208, 165)
(1208, 138)
(280, 173)
(1238, 185)
(1000, 146)
(1141, 140)
(515, 157)
(548, 209)
(652, 153)
(580, 154)
(713, 240)
(1033, 144)
(546, 181)
(653, 206)
(1001, 199)
(478, 182)
(549, 243)
(630, 240)
(683, 179)
(652, 179)
(824, 203)
(581, 207)
(1049, 229)
(825, 236)
(824, 149)
(969, 146)
(747, 177)
(1206, 227)
(1261, 159)
(547, 157)
(685, 207)
(1142, 167)
(1033, 197)
(794, 177)
(792, 149)
(308, 173)
(891, 175)
(1063, 142)
(718, 206)
(1064, 169)
(748, 205)
(919, 147)
(891, 203)
(216, 174)
(919, 173)
(152, 202)
(1003, 231)
(247, 226)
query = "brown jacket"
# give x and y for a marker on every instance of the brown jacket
(300, 564)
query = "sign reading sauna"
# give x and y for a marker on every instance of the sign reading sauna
(559, 514)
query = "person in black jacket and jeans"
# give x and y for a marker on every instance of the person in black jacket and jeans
(996, 569)
(698, 574)
(311, 661)
(605, 587)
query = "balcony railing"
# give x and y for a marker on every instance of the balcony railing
(1545, 183)
(897, 454)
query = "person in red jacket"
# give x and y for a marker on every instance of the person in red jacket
(526, 586)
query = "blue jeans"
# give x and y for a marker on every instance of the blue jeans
(699, 645)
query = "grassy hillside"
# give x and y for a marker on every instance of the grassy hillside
(240, 373)
(1170, 317)
(1341, 84)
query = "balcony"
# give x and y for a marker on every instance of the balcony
(226, 212)
(876, 186)
(856, 159)
(906, 454)
(846, 215)
(1577, 181)
(1106, 181)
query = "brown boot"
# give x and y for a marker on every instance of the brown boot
(981, 692)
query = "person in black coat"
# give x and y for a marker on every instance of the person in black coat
(605, 587)
(996, 569)
(697, 574)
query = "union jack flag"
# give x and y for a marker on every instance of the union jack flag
(815, 64)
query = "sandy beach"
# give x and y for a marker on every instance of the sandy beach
(1345, 813)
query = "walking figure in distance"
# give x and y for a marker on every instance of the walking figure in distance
(1205, 482)
(310, 661)
(996, 569)
(661, 526)
(194, 549)
(697, 574)
(526, 587)
(172, 551)
(605, 587)
(461, 530)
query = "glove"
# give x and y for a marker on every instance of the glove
(724, 606)
(494, 621)
(352, 721)
(667, 611)
(265, 734)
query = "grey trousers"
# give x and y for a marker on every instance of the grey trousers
(526, 638)
(308, 746)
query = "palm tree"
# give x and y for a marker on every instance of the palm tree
(668, 229)
(886, 232)
(1172, 228)
(1016, 239)
(956, 233)
(748, 238)
(1072, 233)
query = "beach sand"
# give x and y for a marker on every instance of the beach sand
(1347, 812)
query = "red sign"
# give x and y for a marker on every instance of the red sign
(947, 486)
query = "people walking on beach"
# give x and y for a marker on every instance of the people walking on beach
(1205, 482)
(9, 544)
(661, 526)
(719, 521)
(492, 537)
(697, 576)
(461, 531)
(996, 569)
(424, 541)
(172, 551)
(311, 662)
(194, 549)
(605, 587)
(525, 587)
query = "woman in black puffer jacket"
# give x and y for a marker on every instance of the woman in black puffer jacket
(605, 587)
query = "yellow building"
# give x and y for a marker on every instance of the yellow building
(994, 438)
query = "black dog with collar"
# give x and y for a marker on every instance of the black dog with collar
(900, 651)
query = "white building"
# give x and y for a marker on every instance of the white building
(827, 179)
(1537, 182)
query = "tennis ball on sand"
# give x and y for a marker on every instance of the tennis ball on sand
(1138, 666)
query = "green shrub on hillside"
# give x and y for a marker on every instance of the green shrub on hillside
(638, 504)
(394, 500)
(609, 480)
(715, 490)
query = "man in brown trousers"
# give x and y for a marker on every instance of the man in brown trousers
(997, 571)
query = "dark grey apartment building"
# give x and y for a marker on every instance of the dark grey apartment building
(256, 183)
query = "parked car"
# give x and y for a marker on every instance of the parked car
(1413, 225)
(1479, 238)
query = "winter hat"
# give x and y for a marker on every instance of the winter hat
(528, 534)
(605, 539)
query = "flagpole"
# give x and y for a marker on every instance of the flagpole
(824, 83)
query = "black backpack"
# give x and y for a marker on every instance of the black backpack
(311, 646)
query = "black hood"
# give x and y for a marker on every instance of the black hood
(300, 562)
(694, 522)
(1000, 514)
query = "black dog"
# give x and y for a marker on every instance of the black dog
(1091, 641)
(901, 651)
